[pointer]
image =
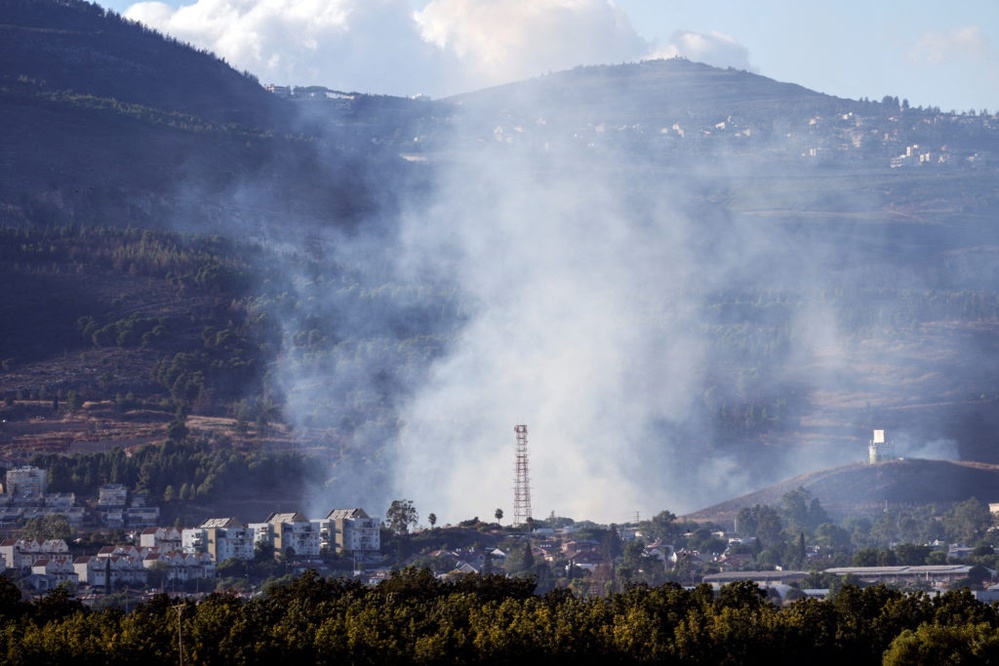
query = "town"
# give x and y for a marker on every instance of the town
(112, 549)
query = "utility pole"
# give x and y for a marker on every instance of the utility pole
(180, 632)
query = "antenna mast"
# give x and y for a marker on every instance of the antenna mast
(522, 482)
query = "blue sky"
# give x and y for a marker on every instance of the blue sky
(935, 53)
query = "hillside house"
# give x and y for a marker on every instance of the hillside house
(47, 574)
(112, 494)
(181, 566)
(21, 553)
(165, 539)
(123, 570)
(116, 511)
(123, 551)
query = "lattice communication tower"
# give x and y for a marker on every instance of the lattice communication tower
(522, 480)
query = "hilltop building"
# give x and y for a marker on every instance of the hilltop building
(880, 448)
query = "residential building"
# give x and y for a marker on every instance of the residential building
(22, 553)
(165, 539)
(221, 538)
(48, 573)
(114, 510)
(26, 483)
(181, 566)
(123, 569)
(289, 534)
(112, 494)
(140, 517)
(351, 530)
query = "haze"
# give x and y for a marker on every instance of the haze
(583, 284)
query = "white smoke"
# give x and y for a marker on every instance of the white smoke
(582, 327)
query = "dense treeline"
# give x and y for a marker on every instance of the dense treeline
(103, 54)
(186, 471)
(183, 302)
(413, 618)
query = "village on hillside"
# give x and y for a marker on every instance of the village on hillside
(115, 545)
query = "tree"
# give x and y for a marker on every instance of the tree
(762, 521)
(801, 510)
(968, 521)
(432, 519)
(528, 563)
(177, 431)
(832, 537)
(662, 526)
(499, 515)
(865, 557)
(912, 554)
(49, 526)
(931, 644)
(401, 516)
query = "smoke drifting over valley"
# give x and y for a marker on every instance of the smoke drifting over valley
(586, 284)
(688, 281)
(667, 344)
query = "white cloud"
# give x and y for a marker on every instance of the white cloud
(936, 47)
(365, 45)
(506, 40)
(383, 46)
(712, 48)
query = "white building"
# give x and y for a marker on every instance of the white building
(47, 574)
(880, 448)
(124, 569)
(181, 566)
(221, 538)
(289, 533)
(26, 482)
(22, 553)
(112, 494)
(165, 539)
(351, 530)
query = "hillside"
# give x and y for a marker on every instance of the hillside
(81, 47)
(649, 92)
(707, 280)
(864, 489)
(109, 123)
